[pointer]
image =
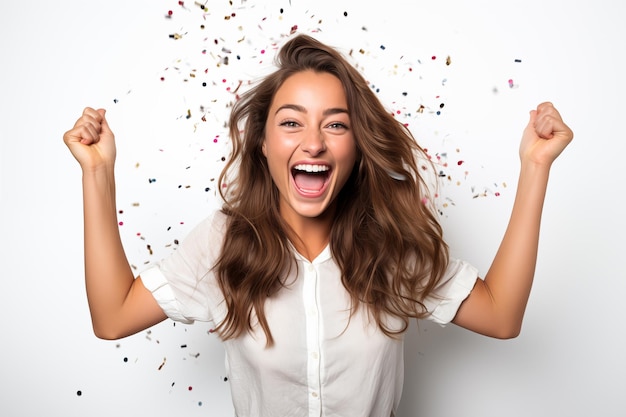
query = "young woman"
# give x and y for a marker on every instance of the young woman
(324, 249)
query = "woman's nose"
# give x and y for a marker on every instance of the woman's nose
(313, 142)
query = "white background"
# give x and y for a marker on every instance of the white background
(58, 57)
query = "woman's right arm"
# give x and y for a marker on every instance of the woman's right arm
(119, 304)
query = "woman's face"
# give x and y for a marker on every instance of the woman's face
(308, 144)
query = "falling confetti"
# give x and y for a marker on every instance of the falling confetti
(209, 73)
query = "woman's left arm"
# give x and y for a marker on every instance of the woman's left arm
(496, 305)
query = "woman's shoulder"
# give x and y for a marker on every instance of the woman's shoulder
(214, 222)
(218, 219)
(208, 232)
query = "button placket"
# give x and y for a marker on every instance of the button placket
(313, 334)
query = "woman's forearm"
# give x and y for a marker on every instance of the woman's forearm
(510, 277)
(108, 274)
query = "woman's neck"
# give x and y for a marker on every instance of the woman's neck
(310, 235)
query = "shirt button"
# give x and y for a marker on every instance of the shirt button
(314, 355)
(311, 268)
(314, 394)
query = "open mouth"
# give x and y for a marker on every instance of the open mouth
(310, 179)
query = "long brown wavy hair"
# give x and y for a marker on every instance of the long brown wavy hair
(387, 242)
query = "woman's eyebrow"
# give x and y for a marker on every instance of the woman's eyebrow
(302, 109)
(295, 107)
(335, 110)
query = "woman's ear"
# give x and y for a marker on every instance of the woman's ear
(263, 149)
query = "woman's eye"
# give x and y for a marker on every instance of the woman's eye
(337, 125)
(289, 123)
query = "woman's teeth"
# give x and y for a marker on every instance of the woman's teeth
(311, 168)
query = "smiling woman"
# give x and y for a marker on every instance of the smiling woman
(316, 108)
(325, 247)
(310, 152)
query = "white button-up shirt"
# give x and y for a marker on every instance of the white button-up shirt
(323, 362)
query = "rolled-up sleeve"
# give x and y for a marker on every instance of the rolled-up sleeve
(184, 283)
(454, 287)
